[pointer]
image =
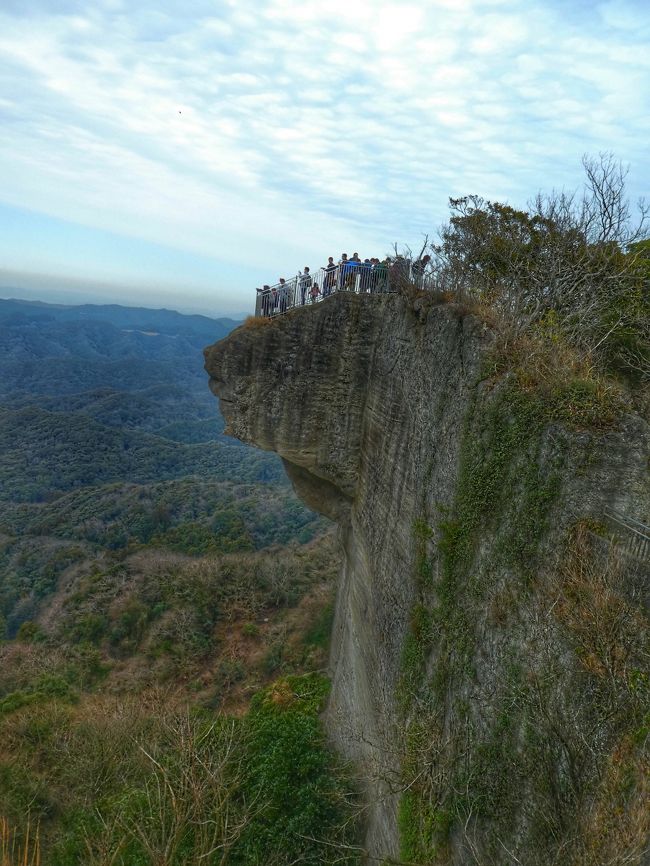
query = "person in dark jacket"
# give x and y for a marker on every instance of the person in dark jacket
(283, 295)
(329, 283)
(266, 300)
(365, 269)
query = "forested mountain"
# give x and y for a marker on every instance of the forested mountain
(48, 349)
(154, 575)
(110, 440)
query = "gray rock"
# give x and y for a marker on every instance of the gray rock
(368, 399)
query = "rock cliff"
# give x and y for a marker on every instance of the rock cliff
(473, 685)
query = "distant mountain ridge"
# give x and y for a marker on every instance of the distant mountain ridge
(51, 349)
(162, 320)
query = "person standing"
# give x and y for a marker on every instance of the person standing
(344, 270)
(365, 269)
(305, 284)
(383, 269)
(417, 270)
(354, 265)
(283, 295)
(265, 300)
(329, 283)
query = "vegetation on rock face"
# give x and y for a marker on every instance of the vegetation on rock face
(525, 688)
(503, 494)
(523, 673)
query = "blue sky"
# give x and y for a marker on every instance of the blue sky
(181, 153)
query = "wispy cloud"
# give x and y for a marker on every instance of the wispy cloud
(281, 130)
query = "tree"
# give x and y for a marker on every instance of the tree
(581, 258)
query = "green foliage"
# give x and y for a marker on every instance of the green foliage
(23, 792)
(503, 487)
(42, 689)
(131, 529)
(424, 839)
(129, 782)
(251, 629)
(227, 535)
(29, 631)
(523, 266)
(500, 464)
(201, 517)
(16, 700)
(111, 440)
(49, 453)
(627, 350)
(292, 773)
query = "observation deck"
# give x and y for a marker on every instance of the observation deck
(350, 276)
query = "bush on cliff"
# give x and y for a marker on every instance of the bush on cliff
(582, 261)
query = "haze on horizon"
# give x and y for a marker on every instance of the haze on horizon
(181, 156)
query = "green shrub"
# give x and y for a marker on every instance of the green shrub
(292, 774)
(29, 632)
(250, 629)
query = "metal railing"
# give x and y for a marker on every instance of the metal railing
(358, 277)
(633, 534)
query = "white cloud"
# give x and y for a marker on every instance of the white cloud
(281, 128)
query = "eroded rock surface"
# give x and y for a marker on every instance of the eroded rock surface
(370, 401)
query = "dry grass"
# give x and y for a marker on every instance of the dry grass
(610, 636)
(257, 323)
(15, 851)
(567, 380)
(539, 359)
(617, 828)
(281, 694)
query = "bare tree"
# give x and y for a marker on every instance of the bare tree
(573, 256)
(190, 807)
(606, 215)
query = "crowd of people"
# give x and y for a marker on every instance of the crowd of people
(348, 274)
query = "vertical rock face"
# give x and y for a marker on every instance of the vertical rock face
(371, 403)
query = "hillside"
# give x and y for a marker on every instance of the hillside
(109, 439)
(155, 575)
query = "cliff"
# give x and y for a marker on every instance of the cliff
(488, 643)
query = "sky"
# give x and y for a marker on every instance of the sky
(180, 153)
